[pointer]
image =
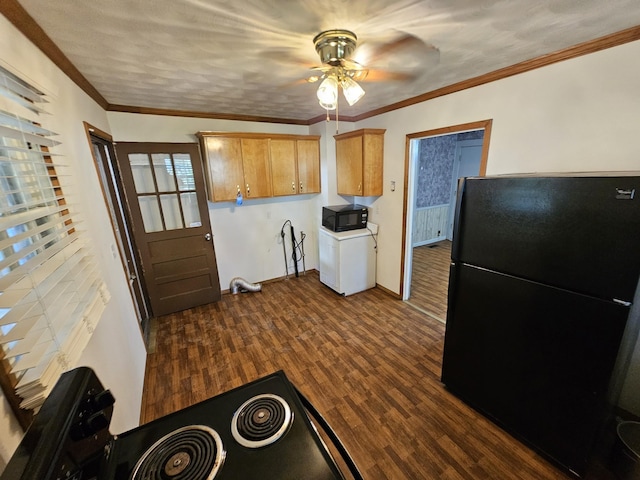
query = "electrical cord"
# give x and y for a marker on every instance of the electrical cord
(297, 245)
(375, 241)
(284, 225)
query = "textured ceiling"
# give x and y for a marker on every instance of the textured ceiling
(250, 57)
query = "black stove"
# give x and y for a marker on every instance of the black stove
(261, 430)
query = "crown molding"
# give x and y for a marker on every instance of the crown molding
(188, 113)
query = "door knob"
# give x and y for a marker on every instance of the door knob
(207, 237)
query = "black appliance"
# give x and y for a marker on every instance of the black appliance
(543, 275)
(257, 431)
(341, 218)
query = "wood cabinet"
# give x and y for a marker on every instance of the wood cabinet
(283, 166)
(223, 168)
(256, 167)
(359, 156)
(260, 165)
(308, 151)
(295, 165)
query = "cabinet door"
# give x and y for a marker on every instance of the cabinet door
(224, 166)
(308, 166)
(257, 171)
(349, 165)
(283, 166)
(372, 164)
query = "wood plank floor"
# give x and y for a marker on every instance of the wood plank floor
(430, 278)
(369, 362)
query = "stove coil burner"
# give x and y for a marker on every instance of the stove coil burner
(261, 420)
(194, 452)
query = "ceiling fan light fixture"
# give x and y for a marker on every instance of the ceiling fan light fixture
(328, 93)
(352, 91)
(335, 45)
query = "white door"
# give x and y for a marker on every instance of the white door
(467, 164)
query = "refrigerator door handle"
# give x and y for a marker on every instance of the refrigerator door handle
(455, 243)
(622, 302)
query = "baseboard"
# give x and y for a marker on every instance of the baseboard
(429, 241)
(389, 292)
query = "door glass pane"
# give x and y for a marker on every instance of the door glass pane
(141, 171)
(184, 171)
(150, 211)
(190, 209)
(171, 212)
(164, 172)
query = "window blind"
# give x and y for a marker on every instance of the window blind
(51, 290)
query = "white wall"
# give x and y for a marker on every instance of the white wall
(246, 237)
(116, 351)
(578, 115)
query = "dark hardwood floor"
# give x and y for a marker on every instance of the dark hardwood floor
(430, 278)
(369, 362)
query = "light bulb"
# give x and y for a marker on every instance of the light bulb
(328, 93)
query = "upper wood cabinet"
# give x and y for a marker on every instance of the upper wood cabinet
(223, 167)
(257, 170)
(359, 156)
(283, 166)
(308, 151)
(260, 165)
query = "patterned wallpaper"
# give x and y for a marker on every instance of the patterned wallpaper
(435, 167)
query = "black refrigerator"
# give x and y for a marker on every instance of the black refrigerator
(543, 276)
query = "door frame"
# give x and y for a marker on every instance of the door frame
(409, 173)
(112, 191)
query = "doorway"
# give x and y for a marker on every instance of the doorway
(435, 160)
(104, 158)
(165, 191)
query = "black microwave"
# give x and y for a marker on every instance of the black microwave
(341, 218)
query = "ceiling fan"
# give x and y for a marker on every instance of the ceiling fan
(339, 70)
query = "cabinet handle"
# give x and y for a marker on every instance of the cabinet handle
(248, 190)
(238, 187)
(300, 186)
(293, 186)
(359, 186)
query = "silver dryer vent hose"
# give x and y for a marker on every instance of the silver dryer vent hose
(241, 285)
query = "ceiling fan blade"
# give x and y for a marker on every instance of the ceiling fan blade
(405, 53)
(388, 76)
(351, 64)
(360, 75)
(400, 44)
(321, 68)
(354, 69)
